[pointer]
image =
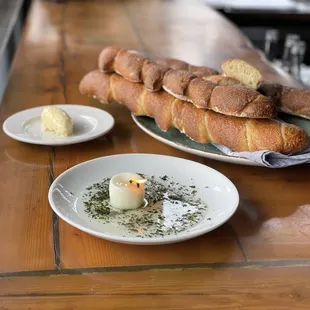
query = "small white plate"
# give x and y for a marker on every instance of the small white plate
(213, 188)
(88, 123)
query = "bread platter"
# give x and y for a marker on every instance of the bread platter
(194, 108)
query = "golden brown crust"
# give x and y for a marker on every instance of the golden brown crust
(106, 58)
(296, 101)
(236, 100)
(177, 81)
(172, 63)
(227, 130)
(202, 72)
(223, 80)
(293, 138)
(199, 92)
(289, 100)
(270, 136)
(194, 123)
(177, 115)
(277, 135)
(242, 101)
(239, 134)
(158, 105)
(129, 65)
(177, 64)
(153, 75)
(127, 93)
(95, 85)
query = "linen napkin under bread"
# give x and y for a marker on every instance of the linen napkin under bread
(270, 159)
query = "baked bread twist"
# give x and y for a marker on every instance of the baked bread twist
(239, 134)
(136, 68)
(233, 100)
(185, 85)
(289, 100)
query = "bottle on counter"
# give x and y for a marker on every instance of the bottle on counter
(302, 51)
(271, 44)
(297, 58)
(298, 69)
(291, 40)
(295, 62)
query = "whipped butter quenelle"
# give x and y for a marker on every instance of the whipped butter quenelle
(57, 120)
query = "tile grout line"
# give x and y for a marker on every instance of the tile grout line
(245, 256)
(55, 221)
(100, 294)
(81, 271)
(62, 79)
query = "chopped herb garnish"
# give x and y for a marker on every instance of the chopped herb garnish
(172, 208)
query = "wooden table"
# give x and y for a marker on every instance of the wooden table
(260, 259)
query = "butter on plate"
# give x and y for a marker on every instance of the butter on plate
(57, 120)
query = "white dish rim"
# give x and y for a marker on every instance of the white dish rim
(135, 240)
(67, 141)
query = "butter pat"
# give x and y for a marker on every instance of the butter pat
(57, 120)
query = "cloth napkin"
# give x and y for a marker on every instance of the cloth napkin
(270, 159)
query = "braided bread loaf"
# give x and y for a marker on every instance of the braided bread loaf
(239, 134)
(289, 100)
(185, 85)
(137, 68)
(234, 100)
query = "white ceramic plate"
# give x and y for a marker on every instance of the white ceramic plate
(213, 188)
(88, 123)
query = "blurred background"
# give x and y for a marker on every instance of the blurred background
(279, 28)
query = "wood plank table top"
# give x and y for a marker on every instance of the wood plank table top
(260, 259)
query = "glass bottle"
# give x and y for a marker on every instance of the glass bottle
(295, 62)
(302, 51)
(290, 40)
(271, 43)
